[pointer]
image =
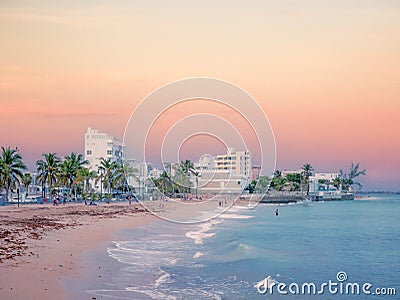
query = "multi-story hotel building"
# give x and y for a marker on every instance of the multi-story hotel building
(237, 162)
(102, 145)
(227, 173)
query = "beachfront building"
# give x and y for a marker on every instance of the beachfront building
(220, 181)
(322, 181)
(322, 187)
(224, 173)
(102, 145)
(237, 162)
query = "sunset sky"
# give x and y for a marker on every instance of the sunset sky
(326, 73)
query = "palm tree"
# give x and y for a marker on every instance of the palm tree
(163, 182)
(85, 175)
(66, 174)
(26, 180)
(337, 182)
(196, 174)
(348, 179)
(277, 180)
(107, 167)
(122, 172)
(166, 178)
(11, 167)
(262, 184)
(1, 179)
(47, 170)
(73, 164)
(307, 171)
(186, 168)
(168, 168)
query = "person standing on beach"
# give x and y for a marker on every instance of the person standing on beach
(276, 212)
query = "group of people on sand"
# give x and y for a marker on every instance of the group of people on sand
(57, 200)
(222, 202)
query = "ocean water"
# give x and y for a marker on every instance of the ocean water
(228, 257)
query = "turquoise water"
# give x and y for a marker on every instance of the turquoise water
(225, 259)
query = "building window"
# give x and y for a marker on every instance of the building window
(89, 152)
(109, 152)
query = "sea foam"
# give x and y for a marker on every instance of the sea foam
(198, 254)
(201, 234)
(235, 216)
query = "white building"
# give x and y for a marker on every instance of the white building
(227, 173)
(237, 162)
(102, 145)
(323, 182)
(220, 181)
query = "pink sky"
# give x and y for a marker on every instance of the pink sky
(327, 74)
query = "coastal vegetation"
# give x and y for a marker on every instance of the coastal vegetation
(259, 185)
(70, 178)
(63, 178)
(307, 172)
(348, 180)
(85, 176)
(299, 181)
(11, 168)
(47, 169)
(180, 183)
(26, 181)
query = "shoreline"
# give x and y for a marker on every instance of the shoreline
(45, 244)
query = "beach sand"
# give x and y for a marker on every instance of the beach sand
(40, 244)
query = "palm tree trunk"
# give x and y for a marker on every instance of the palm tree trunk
(86, 189)
(197, 187)
(109, 193)
(7, 189)
(51, 189)
(43, 190)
